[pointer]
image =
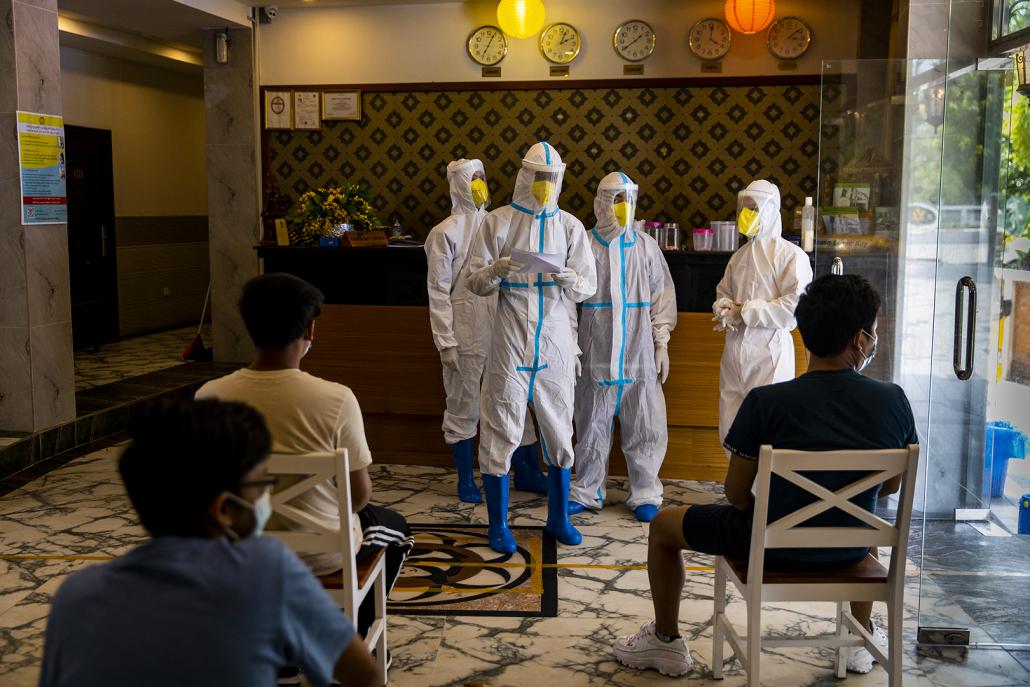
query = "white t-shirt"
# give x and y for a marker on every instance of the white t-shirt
(305, 414)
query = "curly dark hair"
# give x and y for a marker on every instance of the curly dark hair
(185, 453)
(833, 309)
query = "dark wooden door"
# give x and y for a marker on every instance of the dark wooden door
(91, 239)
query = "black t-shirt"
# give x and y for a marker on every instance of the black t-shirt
(822, 411)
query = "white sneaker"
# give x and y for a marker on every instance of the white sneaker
(644, 650)
(859, 658)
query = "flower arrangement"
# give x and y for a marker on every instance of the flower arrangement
(321, 210)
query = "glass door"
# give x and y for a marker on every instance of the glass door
(916, 194)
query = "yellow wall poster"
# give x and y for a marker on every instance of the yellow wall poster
(41, 156)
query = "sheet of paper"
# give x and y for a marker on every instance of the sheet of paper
(547, 263)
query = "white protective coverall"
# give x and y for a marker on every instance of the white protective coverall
(633, 310)
(533, 348)
(761, 287)
(459, 318)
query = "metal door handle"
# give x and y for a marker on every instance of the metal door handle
(964, 371)
(837, 267)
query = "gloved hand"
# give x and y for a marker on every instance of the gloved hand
(720, 305)
(731, 315)
(661, 361)
(579, 367)
(502, 267)
(720, 325)
(567, 278)
(449, 358)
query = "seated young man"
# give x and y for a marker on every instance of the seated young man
(831, 407)
(306, 414)
(205, 600)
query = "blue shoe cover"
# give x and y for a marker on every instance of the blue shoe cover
(501, 539)
(575, 508)
(558, 522)
(467, 489)
(526, 466)
(646, 512)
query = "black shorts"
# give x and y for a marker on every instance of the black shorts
(718, 529)
(722, 530)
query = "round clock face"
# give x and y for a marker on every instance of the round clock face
(634, 40)
(789, 38)
(487, 45)
(559, 43)
(709, 39)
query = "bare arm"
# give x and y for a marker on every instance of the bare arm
(360, 489)
(356, 667)
(739, 479)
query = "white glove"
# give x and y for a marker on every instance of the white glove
(567, 278)
(720, 325)
(449, 358)
(720, 305)
(661, 361)
(579, 367)
(731, 316)
(502, 267)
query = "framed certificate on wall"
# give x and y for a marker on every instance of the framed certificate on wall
(345, 105)
(278, 109)
(306, 110)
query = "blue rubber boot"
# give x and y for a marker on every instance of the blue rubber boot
(575, 508)
(646, 512)
(467, 489)
(501, 539)
(558, 507)
(526, 466)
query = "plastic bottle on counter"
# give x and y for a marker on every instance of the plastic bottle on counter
(808, 226)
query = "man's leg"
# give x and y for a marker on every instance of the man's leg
(863, 610)
(665, 546)
(382, 527)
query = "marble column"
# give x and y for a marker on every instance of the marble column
(232, 188)
(37, 371)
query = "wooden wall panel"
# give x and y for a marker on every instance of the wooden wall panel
(386, 356)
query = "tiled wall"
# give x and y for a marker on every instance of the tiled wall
(690, 148)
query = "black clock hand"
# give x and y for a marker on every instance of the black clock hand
(797, 34)
(492, 36)
(633, 41)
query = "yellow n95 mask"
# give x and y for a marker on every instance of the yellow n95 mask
(480, 193)
(623, 212)
(543, 191)
(748, 222)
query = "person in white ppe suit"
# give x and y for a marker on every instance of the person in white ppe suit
(624, 332)
(461, 323)
(533, 351)
(756, 300)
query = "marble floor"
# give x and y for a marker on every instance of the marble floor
(78, 515)
(133, 356)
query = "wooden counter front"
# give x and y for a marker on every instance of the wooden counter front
(385, 354)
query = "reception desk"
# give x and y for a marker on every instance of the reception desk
(383, 350)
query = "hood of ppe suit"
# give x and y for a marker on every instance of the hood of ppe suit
(544, 159)
(610, 186)
(459, 176)
(764, 197)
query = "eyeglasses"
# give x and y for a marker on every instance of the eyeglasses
(269, 481)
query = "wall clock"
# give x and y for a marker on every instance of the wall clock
(560, 43)
(789, 38)
(487, 45)
(634, 40)
(710, 39)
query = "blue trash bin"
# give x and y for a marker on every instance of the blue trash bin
(1002, 443)
(1024, 514)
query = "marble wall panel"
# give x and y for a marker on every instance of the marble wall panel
(233, 222)
(38, 63)
(8, 95)
(46, 251)
(15, 378)
(53, 374)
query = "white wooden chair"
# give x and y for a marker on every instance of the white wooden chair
(868, 580)
(354, 583)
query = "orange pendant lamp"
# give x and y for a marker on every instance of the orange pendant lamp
(750, 16)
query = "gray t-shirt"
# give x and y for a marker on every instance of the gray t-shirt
(186, 611)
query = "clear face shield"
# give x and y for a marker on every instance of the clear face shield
(624, 207)
(749, 212)
(545, 187)
(478, 188)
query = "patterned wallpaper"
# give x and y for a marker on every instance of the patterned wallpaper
(689, 148)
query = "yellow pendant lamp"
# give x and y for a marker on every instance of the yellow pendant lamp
(750, 16)
(520, 18)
